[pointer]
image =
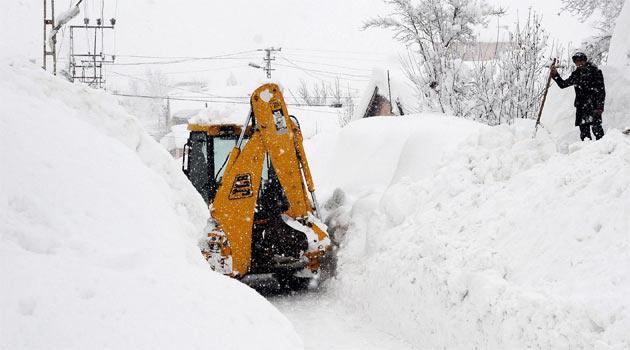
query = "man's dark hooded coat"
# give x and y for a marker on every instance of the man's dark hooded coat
(590, 93)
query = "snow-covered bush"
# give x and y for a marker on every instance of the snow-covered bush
(510, 86)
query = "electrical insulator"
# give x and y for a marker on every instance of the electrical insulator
(112, 21)
(98, 22)
(86, 21)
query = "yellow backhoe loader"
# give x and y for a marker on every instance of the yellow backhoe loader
(256, 180)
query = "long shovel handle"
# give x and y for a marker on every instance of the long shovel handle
(542, 104)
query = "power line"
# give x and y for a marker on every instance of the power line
(339, 51)
(165, 85)
(178, 61)
(324, 74)
(154, 97)
(207, 70)
(334, 57)
(333, 65)
(183, 59)
(191, 57)
(333, 74)
(215, 96)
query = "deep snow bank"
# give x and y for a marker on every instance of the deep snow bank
(98, 233)
(505, 243)
(365, 156)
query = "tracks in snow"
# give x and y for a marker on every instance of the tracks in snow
(324, 322)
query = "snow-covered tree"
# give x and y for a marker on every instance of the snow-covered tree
(437, 32)
(305, 93)
(319, 93)
(346, 114)
(510, 86)
(522, 70)
(596, 46)
(151, 111)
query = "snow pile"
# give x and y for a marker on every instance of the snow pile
(368, 154)
(99, 232)
(177, 138)
(504, 243)
(222, 114)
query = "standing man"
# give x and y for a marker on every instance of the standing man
(590, 95)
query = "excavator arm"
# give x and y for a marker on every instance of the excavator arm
(277, 139)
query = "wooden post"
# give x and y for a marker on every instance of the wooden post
(542, 104)
(389, 88)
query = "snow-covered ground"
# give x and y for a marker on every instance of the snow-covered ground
(99, 231)
(326, 322)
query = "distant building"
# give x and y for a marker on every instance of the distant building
(182, 116)
(482, 51)
(378, 105)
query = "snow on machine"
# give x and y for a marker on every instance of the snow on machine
(256, 180)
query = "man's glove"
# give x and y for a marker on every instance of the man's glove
(553, 71)
(597, 114)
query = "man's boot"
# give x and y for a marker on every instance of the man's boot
(598, 130)
(585, 132)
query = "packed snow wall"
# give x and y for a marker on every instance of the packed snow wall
(99, 231)
(495, 240)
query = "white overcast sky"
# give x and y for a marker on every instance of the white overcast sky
(327, 32)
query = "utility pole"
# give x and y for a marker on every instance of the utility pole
(86, 64)
(168, 115)
(267, 59)
(53, 40)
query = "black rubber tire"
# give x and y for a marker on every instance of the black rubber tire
(291, 283)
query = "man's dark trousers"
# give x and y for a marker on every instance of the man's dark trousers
(586, 119)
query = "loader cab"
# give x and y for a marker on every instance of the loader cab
(206, 154)
(205, 158)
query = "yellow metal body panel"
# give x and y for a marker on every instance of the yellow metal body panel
(278, 137)
(235, 201)
(275, 126)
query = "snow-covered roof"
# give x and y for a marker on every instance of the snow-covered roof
(186, 114)
(400, 87)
